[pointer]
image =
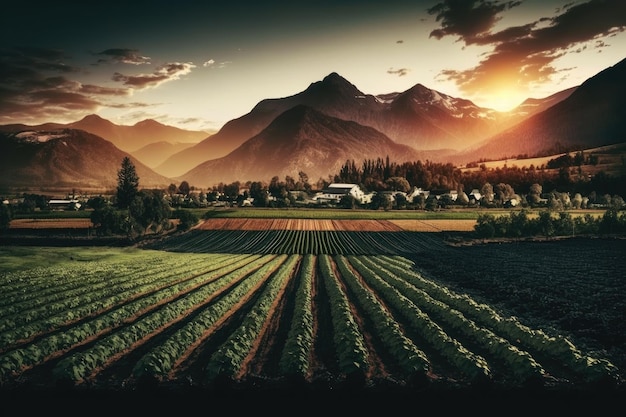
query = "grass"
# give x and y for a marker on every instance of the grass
(323, 213)
(20, 258)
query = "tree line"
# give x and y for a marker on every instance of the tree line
(518, 224)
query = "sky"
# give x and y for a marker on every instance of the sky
(198, 64)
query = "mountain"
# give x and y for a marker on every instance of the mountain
(154, 154)
(126, 138)
(333, 95)
(65, 158)
(532, 106)
(299, 139)
(419, 117)
(427, 119)
(593, 115)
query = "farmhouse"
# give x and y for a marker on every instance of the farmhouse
(415, 192)
(71, 204)
(336, 191)
(474, 196)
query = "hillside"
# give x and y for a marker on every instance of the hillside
(126, 138)
(300, 139)
(65, 158)
(154, 154)
(593, 115)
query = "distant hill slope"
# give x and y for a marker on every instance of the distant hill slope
(300, 139)
(154, 154)
(126, 138)
(67, 158)
(593, 115)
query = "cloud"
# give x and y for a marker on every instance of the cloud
(34, 86)
(467, 18)
(400, 72)
(132, 105)
(162, 74)
(211, 63)
(523, 55)
(124, 56)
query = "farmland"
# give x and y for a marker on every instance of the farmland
(315, 306)
(311, 304)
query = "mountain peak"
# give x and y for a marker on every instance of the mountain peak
(334, 82)
(93, 118)
(148, 123)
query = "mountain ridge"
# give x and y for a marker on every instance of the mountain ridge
(65, 158)
(594, 114)
(299, 139)
(128, 138)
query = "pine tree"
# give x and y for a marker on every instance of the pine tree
(127, 183)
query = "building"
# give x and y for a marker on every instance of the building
(336, 191)
(416, 192)
(71, 204)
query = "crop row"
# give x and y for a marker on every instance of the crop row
(209, 315)
(300, 242)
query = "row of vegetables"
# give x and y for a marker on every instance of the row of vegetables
(300, 242)
(87, 319)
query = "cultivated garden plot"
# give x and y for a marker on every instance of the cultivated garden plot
(327, 319)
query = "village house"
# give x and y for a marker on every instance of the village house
(64, 204)
(415, 192)
(336, 191)
(474, 196)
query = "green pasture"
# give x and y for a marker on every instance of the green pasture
(20, 258)
(323, 213)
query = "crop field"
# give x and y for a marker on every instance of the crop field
(59, 223)
(184, 315)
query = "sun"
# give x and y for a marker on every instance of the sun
(504, 100)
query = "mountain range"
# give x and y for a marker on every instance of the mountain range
(127, 138)
(317, 130)
(419, 117)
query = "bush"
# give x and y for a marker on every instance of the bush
(187, 218)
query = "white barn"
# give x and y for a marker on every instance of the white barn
(336, 191)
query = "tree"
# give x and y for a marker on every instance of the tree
(184, 188)
(462, 199)
(381, 201)
(127, 183)
(398, 184)
(108, 221)
(348, 201)
(487, 192)
(5, 216)
(150, 210)
(259, 194)
(187, 218)
(534, 194)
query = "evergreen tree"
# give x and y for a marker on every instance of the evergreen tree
(127, 183)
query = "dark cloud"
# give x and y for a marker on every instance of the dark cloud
(34, 86)
(125, 56)
(467, 18)
(400, 72)
(524, 55)
(162, 74)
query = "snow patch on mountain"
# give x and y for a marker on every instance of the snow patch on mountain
(31, 136)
